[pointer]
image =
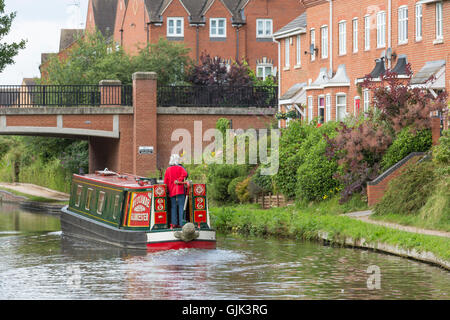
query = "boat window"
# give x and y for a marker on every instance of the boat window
(88, 198)
(78, 197)
(116, 206)
(100, 202)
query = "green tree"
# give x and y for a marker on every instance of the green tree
(7, 51)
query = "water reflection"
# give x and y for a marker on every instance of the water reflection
(38, 262)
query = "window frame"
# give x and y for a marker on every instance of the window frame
(310, 108)
(89, 193)
(175, 34)
(320, 120)
(342, 48)
(328, 107)
(439, 21)
(402, 21)
(381, 29)
(366, 100)
(287, 53)
(355, 24)
(263, 67)
(367, 32)
(338, 95)
(419, 21)
(312, 40)
(78, 195)
(298, 52)
(264, 28)
(101, 202)
(217, 35)
(324, 41)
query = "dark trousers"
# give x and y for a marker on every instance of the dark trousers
(177, 209)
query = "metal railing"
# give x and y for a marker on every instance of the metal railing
(64, 95)
(218, 96)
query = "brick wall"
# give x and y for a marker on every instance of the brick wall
(377, 187)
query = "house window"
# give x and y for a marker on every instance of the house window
(341, 107)
(342, 38)
(321, 109)
(298, 59)
(313, 44)
(381, 29)
(419, 19)
(217, 27)
(328, 107)
(263, 71)
(355, 35)
(78, 196)
(310, 108)
(366, 100)
(264, 28)
(286, 52)
(367, 33)
(100, 202)
(439, 21)
(175, 27)
(403, 25)
(324, 41)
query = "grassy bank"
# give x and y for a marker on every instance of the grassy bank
(307, 222)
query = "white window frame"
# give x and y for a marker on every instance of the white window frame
(342, 38)
(366, 100)
(216, 34)
(298, 52)
(79, 193)
(419, 21)
(321, 107)
(264, 28)
(367, 32)
(174, 33)
(403, 25)
(312, 39)
(439, 21)
(355, 34)
(287, 53)
(341, 105)
(263, 67)
(101, 202)
(328, 107)
(324, 41)
(310, 108)
(381, 29)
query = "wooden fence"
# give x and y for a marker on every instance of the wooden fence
(271, 201)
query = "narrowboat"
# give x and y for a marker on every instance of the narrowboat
(133, 212)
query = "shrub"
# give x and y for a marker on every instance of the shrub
(232, 188)
(242, 191)
(405, 143)
(441, 152)
(408, 193)
(219, 177)
(260, 184)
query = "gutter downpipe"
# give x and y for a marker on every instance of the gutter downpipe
(279, 78)
(331, 38)
(389, 30)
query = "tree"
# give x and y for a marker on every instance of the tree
(7, 51)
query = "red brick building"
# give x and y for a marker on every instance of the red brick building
(231, 29)
(325, 52)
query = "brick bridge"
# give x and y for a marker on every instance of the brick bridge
(116, 131)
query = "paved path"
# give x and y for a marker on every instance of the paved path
(365, 216)
(35, 190)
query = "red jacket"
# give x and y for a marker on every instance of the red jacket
(175, 173)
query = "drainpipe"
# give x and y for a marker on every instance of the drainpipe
(331, 38)
(197, 43)
(389, 30)
(237, 43)
(279, 77)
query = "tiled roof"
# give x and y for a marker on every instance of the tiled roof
(68, 36)
(196, 9)
(297, 23)
(105, 15)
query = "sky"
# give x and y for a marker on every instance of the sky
(40, 22)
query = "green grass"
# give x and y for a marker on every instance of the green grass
(306, 223)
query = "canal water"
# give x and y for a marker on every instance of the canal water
(38, 262)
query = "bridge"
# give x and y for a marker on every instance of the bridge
(129, 128)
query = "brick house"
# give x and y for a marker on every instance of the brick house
(231, 29)
(325, 52)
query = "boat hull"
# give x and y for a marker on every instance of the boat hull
(75, 225)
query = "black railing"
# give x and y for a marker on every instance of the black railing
(217, 96)
(65, 95)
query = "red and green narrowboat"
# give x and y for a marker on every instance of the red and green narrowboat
(134, 212)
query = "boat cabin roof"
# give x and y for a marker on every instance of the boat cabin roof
(128, 181)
